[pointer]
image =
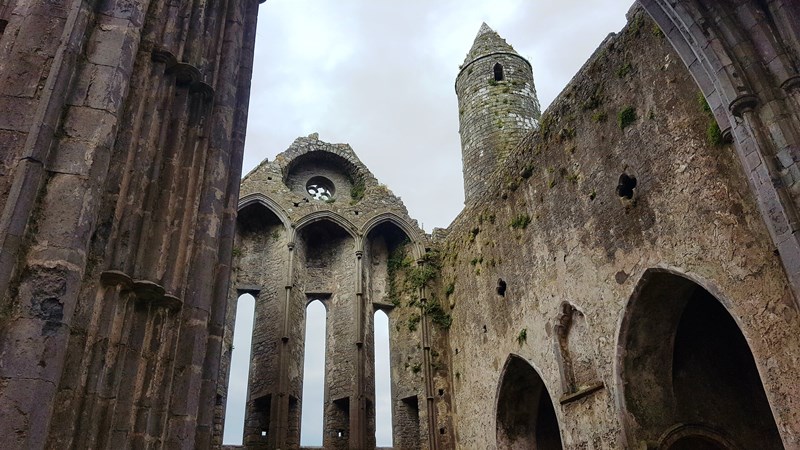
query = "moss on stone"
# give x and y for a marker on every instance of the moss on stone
(520, 222)
(626, 117)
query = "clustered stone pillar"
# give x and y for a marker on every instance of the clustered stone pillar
(358, 408)
(121, 134)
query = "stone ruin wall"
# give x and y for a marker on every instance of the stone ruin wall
(691, 212)
(363, 222)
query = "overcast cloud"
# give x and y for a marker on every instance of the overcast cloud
(379, 75)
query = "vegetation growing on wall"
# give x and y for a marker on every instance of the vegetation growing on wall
(713, 133)
(520, 222)
(522, 337)
(437, 315)
(398, 261)
(626, 117)
(357, 190)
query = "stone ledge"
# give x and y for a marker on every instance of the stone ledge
(571, 397)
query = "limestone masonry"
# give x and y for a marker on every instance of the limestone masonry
(624, 275)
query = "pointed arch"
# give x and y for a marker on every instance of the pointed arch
(683, 359)
(329, 216)
(413, 233)
(383, 379)
(524, 412)
(314, 357)
(236, 394)
(270, 204)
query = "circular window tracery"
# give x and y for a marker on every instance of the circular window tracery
(320, 188)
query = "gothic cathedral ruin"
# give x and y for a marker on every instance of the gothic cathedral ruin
(625, 272)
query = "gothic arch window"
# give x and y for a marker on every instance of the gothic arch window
(240, 370)
(498, 72)
(575, 355)
(312, 411)
(383, 380)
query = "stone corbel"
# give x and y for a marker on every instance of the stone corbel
(186, 75)
(144, 290)
(204, 89)
(742, 104)
(790, 84)
(165, 57)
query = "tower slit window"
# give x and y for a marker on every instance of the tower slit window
(498, 72)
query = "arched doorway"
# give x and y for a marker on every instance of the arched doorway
(526, 418)
(685, 365)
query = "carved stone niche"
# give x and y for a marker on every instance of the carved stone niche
(575, 355)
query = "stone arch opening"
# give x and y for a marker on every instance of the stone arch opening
(324, 268)
(260, 235)
(385, 244)
(387, 248)
(684, 360)
(313, 399)
(256, 217)
(236, 401)
(498, 72)
(383, 380)
(526, 418)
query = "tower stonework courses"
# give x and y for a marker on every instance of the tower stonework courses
(497, 107)
(624, 274)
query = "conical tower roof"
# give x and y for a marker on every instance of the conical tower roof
(486, 42)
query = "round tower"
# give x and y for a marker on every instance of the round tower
(497, 106)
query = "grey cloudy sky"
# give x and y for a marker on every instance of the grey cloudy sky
(379, 75)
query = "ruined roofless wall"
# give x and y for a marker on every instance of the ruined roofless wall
(555, 229)
(355, 251)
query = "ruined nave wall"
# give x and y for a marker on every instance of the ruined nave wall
(555, 228)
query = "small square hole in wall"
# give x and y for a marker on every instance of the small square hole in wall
(626, 185)
(263, 433)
